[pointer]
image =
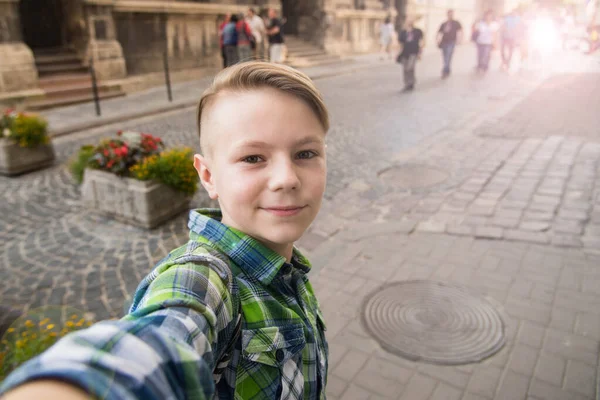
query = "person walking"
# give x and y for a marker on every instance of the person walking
(485, 34)
(276, 41)
(259, 31)
(411, 40)
(245, 40)
(510, 37)
(225, 21)
(230, 40)
(449, 34)
(386, 35)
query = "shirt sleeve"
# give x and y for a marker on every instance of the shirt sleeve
(165, 348)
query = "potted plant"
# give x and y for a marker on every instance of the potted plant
(24, 143)
(134, 179)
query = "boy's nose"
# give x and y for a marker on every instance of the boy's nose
(284, 177)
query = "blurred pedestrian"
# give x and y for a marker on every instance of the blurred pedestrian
(276, 41)
(449, 34)
(411, 40)
(230, 39)
(245, 42)
(510, 35)
(259, 30)
(485, 33)
(386, 35)
(225, 21)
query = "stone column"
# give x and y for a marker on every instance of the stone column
(103, 46)
(18, 74)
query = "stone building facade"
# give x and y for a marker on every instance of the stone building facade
(128, 38)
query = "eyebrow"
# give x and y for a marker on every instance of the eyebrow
(259, 143)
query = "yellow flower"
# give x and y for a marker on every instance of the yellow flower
(70, 324)
(20, 344)
(89, 323)
(51, 326)
(29, 324)
(52, 334)
(24, 334)
(80, 323)
(74, 316)
(43, 322)
(10, 330)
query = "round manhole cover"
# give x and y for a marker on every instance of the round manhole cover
(434, 322)
(413, 176)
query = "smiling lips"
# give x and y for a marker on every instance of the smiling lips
(284, 211)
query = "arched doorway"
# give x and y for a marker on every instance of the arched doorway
(42, 26)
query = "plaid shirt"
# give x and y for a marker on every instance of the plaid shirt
(184, 315)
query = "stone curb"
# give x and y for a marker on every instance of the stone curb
(185, 104)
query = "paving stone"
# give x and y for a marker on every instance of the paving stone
(588, 325)
(461, 230)
(514, 386)
(419, 387)
(563, 319)
(523, 360)
(431, 226)
(551, 369)
(533, 237)
(538, 216)
(485, 380)
(351, 364)
(504, 222)
(355, 392)
(566, 240)
(581, 378)
(575, 215)
(488, 232)
(528, 310)
(535, 226)
(445, 392)
(335, 385)
(446, 373)
(573, 347)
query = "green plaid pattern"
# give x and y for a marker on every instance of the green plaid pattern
(182, 319)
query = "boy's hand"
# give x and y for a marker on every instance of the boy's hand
(47, 389)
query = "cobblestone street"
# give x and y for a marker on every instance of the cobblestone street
(489, 182)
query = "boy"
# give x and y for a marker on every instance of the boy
(231, 314)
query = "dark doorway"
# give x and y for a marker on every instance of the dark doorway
(290, 13)
(41, 24)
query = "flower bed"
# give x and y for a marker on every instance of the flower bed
(24, 143)
(132, 178)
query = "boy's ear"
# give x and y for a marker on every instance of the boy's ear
(206, 178)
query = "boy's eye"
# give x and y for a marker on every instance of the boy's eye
(306, 154)
(251, 159)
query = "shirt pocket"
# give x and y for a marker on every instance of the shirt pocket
(273, 345)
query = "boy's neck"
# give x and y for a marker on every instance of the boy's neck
(284, 250)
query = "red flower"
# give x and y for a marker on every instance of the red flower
(110, 164)
(105, 153)
(124, 150)
(119, 133)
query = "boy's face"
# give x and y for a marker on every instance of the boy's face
(265, 163)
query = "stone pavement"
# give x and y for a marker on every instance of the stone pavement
(453, 182)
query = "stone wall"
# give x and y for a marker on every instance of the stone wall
(353, 31)
(186, 31)
(17, 66)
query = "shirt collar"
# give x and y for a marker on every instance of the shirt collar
(248, 253)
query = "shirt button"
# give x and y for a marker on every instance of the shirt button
(280, 355)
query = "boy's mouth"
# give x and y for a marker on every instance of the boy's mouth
(284, 211)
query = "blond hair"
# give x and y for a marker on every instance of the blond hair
(258, 75)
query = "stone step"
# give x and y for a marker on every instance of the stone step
(66, 101)
(307, 53)
(57, 80)
(48, 69)
(326, 59)
(67, 58)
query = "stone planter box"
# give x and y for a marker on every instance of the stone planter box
(141, 203)
(15, 159)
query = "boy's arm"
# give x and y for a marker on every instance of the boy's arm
(166, 348)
